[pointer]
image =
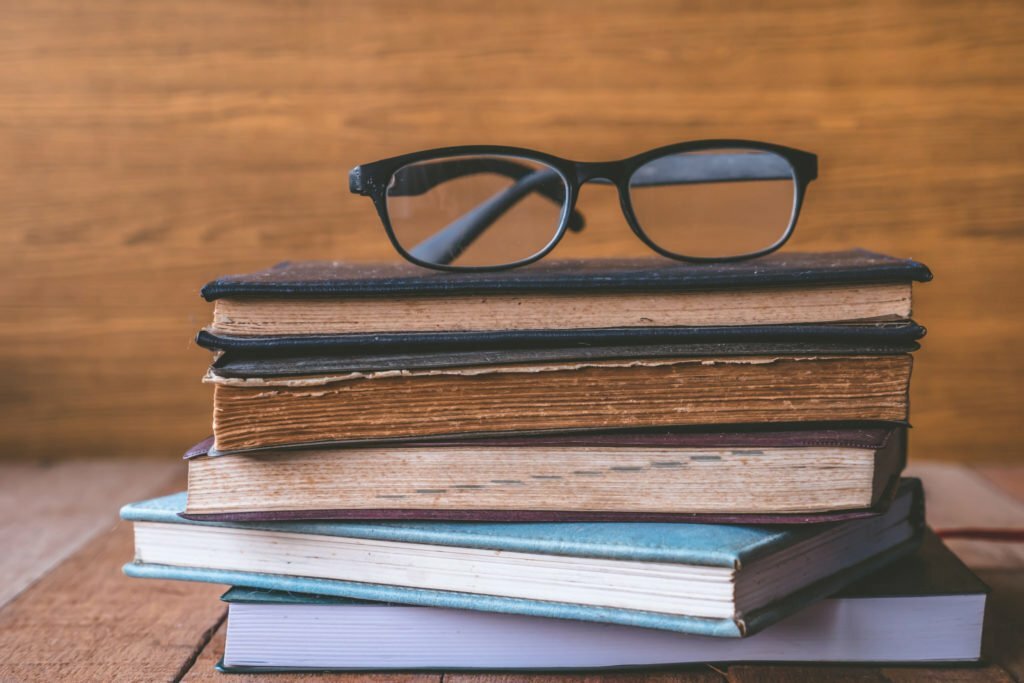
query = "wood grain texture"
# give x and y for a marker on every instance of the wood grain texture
(981, 674)
(147, 147)
(86, 621)
(1006, 477)
(1004, 619)
(704, 674)
(46, 513)
(800, 674)
(959, 498)
(847, 674)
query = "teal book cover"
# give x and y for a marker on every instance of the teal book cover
(728, 546)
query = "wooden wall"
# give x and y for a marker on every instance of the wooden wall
(149, 145)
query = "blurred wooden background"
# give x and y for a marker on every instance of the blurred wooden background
(147, 146)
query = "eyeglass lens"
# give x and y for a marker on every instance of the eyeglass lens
(494, 210)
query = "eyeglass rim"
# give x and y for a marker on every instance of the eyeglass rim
(372, 180)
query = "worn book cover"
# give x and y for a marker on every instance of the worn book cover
(749, 576)
(312, 354)
(927, 607)
(592, 276)
(787, 475)
(558, 396)
(337, 299)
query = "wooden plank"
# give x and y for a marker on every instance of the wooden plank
(952, 674)
(851, 674)
(981, 554)
(50, 510)
(682, 675)
(1009, 478)
(203, 672)
(1004, 619)
(86, 621)
(147, 148)
(800, 674)
(957, 497)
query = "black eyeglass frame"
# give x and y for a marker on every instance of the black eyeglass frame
(371, 180)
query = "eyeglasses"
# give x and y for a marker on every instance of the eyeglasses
(491, 207)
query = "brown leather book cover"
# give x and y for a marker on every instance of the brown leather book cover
(251, 413)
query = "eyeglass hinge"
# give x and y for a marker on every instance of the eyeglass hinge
(355, 181)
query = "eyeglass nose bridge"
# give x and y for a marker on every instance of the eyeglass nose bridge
(610, 172)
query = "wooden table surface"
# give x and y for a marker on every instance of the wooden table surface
(68, 613)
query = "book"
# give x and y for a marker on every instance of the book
(927, 607)
(522, 398)
(900, 334)
(887, 337)
(718, 580)
(323, 298)
(791, 475)
(309, 355)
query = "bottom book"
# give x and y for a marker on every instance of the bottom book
(927, 607)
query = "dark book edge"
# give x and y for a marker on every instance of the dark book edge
(760, 618)
(313, 279)
(445, 438)
(230, 365)
(902, 332)
(933, 570)
(890, 461)
(868, 435)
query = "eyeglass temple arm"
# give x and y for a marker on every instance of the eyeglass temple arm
(448, 244)
(445, 246)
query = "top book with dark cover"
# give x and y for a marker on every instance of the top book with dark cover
(343, 298)
(334, 278)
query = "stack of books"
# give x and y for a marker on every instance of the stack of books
(575, 464)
